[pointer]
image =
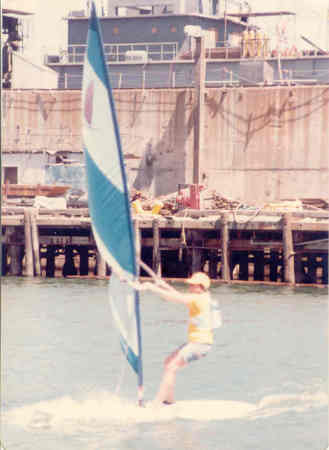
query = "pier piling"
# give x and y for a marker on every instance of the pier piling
(213, 264)
(69, 266)
(288, 250)
(84, 260)
(35, 243)
(29, 269)
(15, 256)
(259, 266)
(324, 279)
(4, 259)
(225, 265)
(50, 261)
(156, 257)
(100, 265)
(229, 247)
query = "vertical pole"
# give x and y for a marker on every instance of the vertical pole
(138, 246)
(84, 260)
(299, 269)
(200, 77)
(324, 269)
(213, 263)
(244, 266)
(225, 250)
(28, 244)
(15, 267)
(288, 250)
(101, 264)
(4, 253)
(138, 249)
(312, 266)
(69, 267)
(156, 248)
(259, 266)
(196, 242)
(35, 244)
(274, 266)
(50, 265)
(196, 259)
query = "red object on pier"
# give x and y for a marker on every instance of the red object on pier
(188, 196)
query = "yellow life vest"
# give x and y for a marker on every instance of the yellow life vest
(200, 319)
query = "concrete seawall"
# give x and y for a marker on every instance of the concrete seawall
(260, 144)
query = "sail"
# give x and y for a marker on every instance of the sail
(108, 198)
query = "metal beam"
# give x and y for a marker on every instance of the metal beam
(262, 14)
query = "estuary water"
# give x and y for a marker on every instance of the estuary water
(65, 384)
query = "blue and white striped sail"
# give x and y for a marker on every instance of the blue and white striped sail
(108, 198)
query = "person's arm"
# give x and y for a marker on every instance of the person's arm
(170, 295)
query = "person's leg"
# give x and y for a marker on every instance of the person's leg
(166, 390)
(177, 360)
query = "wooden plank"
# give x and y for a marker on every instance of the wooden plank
(212, 243)
(12, 221)
(214, 214)
(67, 240)
(310, 226)
(71, 222)
(196, 213)
(48, 212)
(192, 224)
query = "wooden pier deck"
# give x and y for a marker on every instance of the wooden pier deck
(249, 246)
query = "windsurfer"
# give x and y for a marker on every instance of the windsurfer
(200, 333)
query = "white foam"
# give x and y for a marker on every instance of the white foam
(273, 405)
(213, 409)
(96, 409)
(99, 409)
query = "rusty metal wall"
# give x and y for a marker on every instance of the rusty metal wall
(38, 121)
(271, 143)
(156, 128)
(260, 143)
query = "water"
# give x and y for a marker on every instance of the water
(65, 384)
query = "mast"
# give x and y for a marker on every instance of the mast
(108, 195)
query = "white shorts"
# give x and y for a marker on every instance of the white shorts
(192, 351)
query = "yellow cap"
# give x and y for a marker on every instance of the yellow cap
(200, 278)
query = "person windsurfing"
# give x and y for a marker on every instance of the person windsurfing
(200, 330)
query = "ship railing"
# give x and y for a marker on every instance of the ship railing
(175, 77)
(155, 51)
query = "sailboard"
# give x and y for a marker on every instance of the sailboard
(108, 197)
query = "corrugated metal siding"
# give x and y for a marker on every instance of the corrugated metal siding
(264, 144)
(260, 144)
(41, 121)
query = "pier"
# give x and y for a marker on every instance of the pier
(246, 247)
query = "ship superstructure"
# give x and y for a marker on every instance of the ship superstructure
(148, 44)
